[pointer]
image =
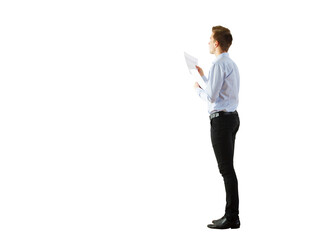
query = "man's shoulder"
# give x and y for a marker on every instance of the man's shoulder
(224, 61)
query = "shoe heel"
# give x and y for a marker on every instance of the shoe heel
(235, 226)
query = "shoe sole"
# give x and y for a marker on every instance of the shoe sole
(234, 227)
(226, 228)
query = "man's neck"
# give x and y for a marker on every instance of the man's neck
(218, 53)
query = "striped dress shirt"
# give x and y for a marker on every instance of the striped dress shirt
(222, 85)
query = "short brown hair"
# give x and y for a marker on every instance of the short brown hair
(223, 36)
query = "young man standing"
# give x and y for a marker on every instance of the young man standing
(221, 93)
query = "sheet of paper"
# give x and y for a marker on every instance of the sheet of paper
(190, 61)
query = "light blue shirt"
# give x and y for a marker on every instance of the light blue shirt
(223, 84)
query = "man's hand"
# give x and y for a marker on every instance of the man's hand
(199, 70)
(196, 85)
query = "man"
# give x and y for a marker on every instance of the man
(221, 93)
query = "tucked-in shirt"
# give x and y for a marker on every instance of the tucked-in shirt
(222, 85)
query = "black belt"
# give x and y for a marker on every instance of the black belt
(221, 113)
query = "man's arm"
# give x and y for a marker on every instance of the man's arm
(202, 74)
(214, 84)
(204, 79)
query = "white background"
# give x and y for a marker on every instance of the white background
(103, 136)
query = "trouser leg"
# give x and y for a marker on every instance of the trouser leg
(223, 134)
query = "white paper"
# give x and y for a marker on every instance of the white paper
(191, 61)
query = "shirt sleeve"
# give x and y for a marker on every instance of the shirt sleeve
(205, 79)
(214, 84)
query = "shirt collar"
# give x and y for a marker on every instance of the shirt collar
(224, 54)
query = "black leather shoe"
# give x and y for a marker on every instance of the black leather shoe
(214, 221)
(224, 223)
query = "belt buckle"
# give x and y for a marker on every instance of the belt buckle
(216, 114)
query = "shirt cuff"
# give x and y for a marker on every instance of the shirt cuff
(198, 90)
(204, 78)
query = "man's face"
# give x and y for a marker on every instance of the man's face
(212, 44)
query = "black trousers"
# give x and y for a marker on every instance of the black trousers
(223, 132)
